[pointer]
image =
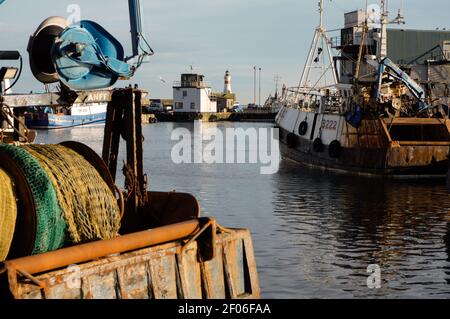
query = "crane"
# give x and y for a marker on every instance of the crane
(386, 65)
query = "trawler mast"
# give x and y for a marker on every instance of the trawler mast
(400, 19)
(319, 35)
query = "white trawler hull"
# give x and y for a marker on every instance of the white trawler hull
(377, 147)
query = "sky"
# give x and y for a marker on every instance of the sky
(212, 36)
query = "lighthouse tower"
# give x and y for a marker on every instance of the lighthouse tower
(227, 87)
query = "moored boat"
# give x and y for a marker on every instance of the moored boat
(372, 116)
(78, 115)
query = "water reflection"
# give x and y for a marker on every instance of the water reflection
(341, 224)
(314, 233)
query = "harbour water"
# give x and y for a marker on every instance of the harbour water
(315, 233)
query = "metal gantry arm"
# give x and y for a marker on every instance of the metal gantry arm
(388, 66)
(141, 48)
(124, 120)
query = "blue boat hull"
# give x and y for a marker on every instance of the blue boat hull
(55, 121)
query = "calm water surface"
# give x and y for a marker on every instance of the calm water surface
(314, 233)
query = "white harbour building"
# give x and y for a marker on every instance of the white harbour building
(193, 95)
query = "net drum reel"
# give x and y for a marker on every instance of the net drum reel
(8, 215)
(64, 196)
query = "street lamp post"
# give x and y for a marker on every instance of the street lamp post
(259, 100)
(254, 85)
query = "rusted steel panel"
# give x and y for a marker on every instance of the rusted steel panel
(230, 269)
(252, 285)
(100, 286)
(371, 141)
(416, 156)
(133, 281)
(61, 280)
(414, 121)
(369, 135)
(65, 287)
(364, 141)
(213, 275)
(348, 129)
(190, 274)
(234, 267)
(158, 272)
(367, 158)
(86, 252)
(164, 275)
(420, 143)
(370, 127)
(30, 293)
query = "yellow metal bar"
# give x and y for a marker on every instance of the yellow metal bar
(415, 121)
(87, 252)
(424, 143)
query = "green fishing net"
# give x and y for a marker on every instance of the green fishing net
(51, 230)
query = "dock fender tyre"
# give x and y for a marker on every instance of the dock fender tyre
(318, 145)
(335, 149)
(291, 140)
(303, 128)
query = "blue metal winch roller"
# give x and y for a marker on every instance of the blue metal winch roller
(85, 56)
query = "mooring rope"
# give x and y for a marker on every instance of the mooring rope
(8, 213)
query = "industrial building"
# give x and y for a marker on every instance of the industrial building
(404, 47)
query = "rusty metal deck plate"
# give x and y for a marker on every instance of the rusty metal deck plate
(162, 272)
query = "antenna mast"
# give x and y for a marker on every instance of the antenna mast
(400, 19)
(277, 79)
(321, 13)
(382, 47)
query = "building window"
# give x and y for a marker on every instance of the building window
(184, 93)
(192, 106)
(178, 105)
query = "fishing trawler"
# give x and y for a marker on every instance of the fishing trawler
(86, 114)
(368, 110)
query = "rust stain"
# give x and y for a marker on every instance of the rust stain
(158, 272)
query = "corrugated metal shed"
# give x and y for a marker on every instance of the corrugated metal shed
(416, 46)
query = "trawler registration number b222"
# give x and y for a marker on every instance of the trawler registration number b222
(329, 125)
